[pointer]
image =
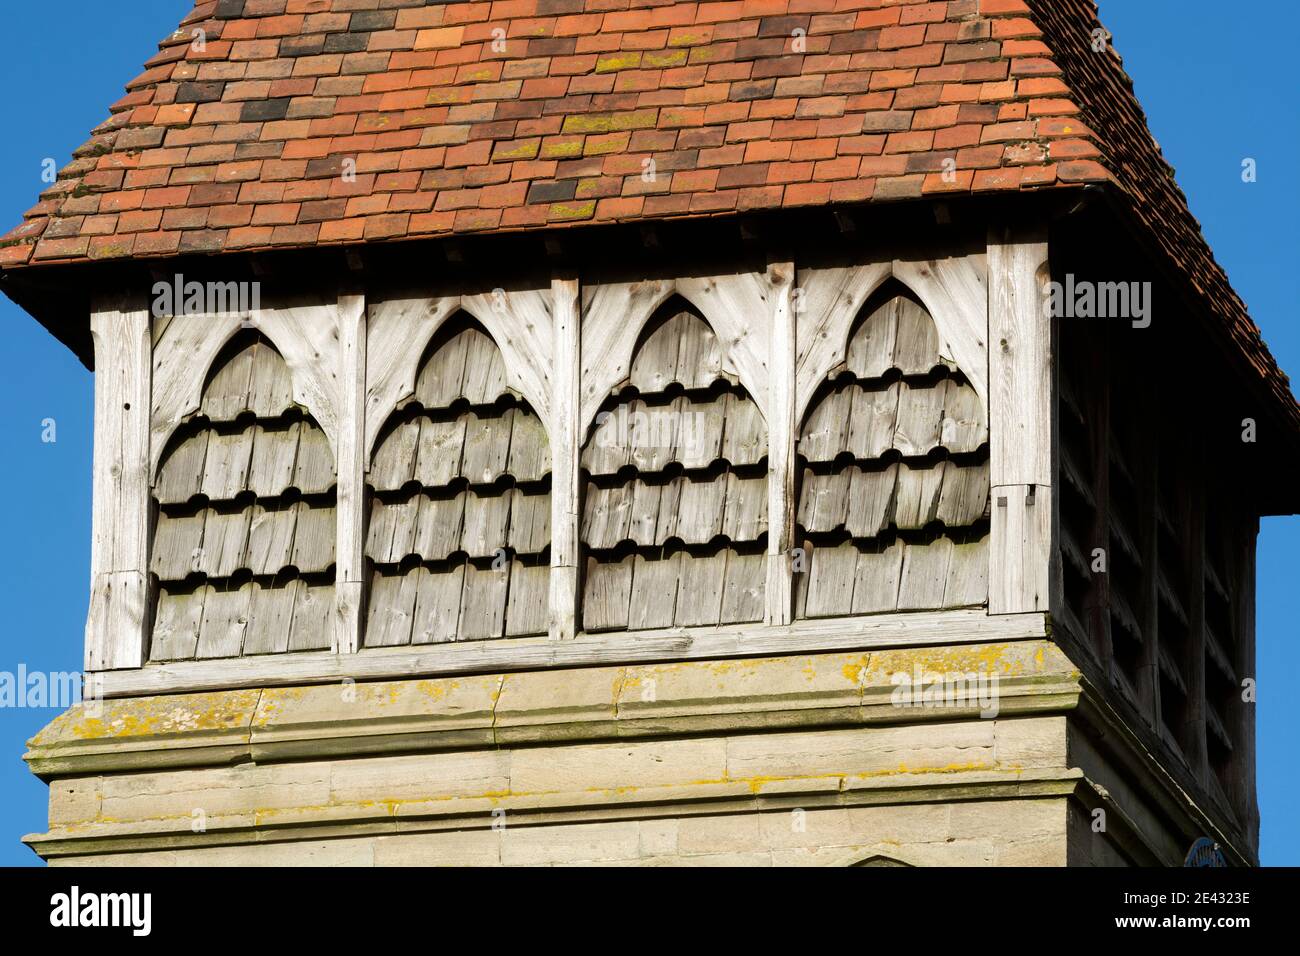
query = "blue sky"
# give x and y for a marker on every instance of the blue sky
(1216, 88)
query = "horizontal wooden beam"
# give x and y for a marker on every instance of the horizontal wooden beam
(676, 644)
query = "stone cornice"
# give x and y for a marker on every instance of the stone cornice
(535, 707)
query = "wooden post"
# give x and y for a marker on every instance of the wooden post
(119, 561)
(349, 580)
(1020, 419)
(781, 445)
(565, 457)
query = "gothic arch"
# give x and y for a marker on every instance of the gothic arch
(399, 331)
(304, 334)
(892, 459)
(245, 530)
(458, 537)
(953, 291)
(735, 308)
(674, 514)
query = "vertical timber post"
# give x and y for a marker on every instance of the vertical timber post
(781, 448)
(565, 311)
(349, 583)
(1020, 419)
(119, 593)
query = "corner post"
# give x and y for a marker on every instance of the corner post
(1020, 418)
(117, 625)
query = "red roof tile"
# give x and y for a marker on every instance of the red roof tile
(284, 123)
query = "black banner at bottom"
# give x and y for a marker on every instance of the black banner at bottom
(334, 906)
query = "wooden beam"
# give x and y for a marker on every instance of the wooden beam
(117, 622)
(1020, 419)
(349, 579)
(907, 629)
(565, 456)
(781, 434)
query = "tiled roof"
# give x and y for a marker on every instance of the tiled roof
(304, 122)
(465, 117)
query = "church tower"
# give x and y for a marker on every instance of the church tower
(778, 433)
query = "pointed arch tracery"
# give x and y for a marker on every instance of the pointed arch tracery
(244, 532)
(459, 529)
(674, 515)
(894, 486)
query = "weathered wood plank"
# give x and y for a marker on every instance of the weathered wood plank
(270, 388)
(530, 522)
(438, 528)
(176, 545)
(486, 522)
(654, 592)
(873, 420)
(483, 603)
(526, 610)
(912, 629)
(877, 577)
(313, 611)
(120, 489)
(1020, 363)
(350, 503)
(925, 575)
(270, 538)
(395, 458)
(487, 445)
(1019, 419)
(225, 618)
(176, 626)
(968, 575)
(225, 542)
(700, 589)
(565, 448)
(871, 500)
(437, 605)
(831, 572)
(744, 508)
(782, 433)
(391, 609)
(1019, 549)
(181, 476)
(313, 472)
(275, 452)
(743, 596)
(607, 593)
(225, 470)
(314, 538)
(270, 618)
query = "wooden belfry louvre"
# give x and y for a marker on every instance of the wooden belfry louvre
(459, 527)
(1157, 560)
(674, 515)
(894, 489)
(244, 536)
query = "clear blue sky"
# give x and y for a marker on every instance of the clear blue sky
(1216, 87)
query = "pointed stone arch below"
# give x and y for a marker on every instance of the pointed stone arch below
(877, 859)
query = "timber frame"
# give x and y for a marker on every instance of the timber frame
(781, 319)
